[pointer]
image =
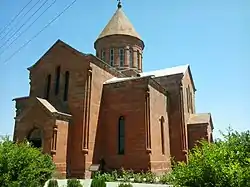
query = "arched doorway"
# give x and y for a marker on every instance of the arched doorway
(35, 138)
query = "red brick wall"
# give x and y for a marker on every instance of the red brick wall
(60, 156)
(177, 128)
(196, 132)
(116, 42)
(160, 161)
(128, 100)
(99, 76)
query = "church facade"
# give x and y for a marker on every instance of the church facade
(83, 107)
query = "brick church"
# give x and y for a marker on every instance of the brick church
(83, 107)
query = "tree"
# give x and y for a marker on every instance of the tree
(223, 163)
(22, 165)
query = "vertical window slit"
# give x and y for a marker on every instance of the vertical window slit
(57, 83)
(66, 86)
(47, 89)
(121, 135)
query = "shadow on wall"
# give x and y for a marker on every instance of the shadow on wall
(99, 146)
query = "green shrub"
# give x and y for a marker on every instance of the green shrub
(127, 175)
(53, 183)
(125, 185)
(149, 177)
(98, 182)
(223, 163)
(107, 177)
(138, 178)
(73, 183)
(23, 165)
(165, 179)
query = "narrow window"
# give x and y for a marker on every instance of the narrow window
(103, 55)
(138, 58)
(121, 135)
(66, 86)
(47, 89)
(121, 56)
(57, 85)
(162, 135)
(131, 57)
(111, 55)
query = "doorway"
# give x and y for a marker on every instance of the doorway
(35, 138)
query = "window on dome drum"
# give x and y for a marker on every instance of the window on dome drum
(131, 57)
(57, 81)
(47, 88)
(138, 58)
(121, 135)
(111, 56)
(162, 135)
(121, 56)
(103, 55)
(66, 86)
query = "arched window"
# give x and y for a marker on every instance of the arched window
(111, 56)
(103, 55)
(66, 86)
(121, 135)
(121, 57)
(131, 57)
(57, 81)
(47, 88)
(162, 135)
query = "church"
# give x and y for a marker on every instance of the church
(83, 108)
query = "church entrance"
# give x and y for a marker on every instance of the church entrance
(35, 138)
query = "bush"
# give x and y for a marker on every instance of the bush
(149, 177)
(107, 177)
(125, 185)
(53, 183)
(23, 165)
(223, 163)
(98, 182)
(127, 176)
(73, 183)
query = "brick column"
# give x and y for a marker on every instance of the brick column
(126, 57)
(140, 61)
(134, 58)
(116, 57)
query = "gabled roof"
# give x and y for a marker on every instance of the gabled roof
(168, 71)
(119, 25)
(122, 79)
(201, 118)
(45, 104)
(182, 69)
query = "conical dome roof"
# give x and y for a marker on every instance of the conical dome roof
(119, 25)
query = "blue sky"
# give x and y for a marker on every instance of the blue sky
(212, 36)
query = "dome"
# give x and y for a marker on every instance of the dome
(119, 24)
